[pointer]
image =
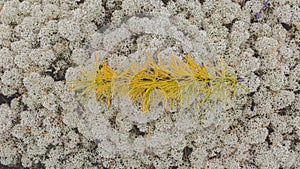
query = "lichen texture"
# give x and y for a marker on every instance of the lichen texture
(87, 84)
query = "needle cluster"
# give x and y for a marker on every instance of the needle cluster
(169, 81)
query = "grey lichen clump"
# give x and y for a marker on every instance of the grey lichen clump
(43, 124)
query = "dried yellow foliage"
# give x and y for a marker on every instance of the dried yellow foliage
(224, 83)
(213, 82)
(98, 80)
(168, 81)
(150, 78)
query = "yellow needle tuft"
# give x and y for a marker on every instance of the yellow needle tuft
(99, 79)
(150, 78)
(169, 81)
